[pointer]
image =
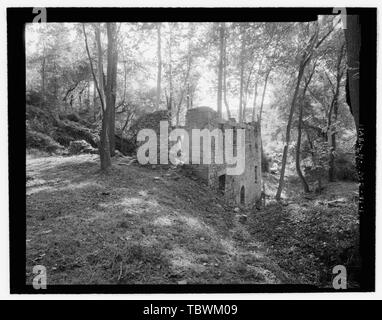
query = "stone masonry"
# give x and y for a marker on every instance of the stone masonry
(244, 189)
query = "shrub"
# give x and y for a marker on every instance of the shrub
(33, 97)
(77, 132)
(62, 137)
(345, 168)
(81, 146)
(147, 121)
(39, 119)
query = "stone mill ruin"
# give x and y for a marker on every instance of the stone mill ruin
(243, 189)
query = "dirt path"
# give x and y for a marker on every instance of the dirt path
(135, 225)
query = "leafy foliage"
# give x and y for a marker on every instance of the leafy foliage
(38, 140)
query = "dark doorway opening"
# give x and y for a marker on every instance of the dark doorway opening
(242, 195)
(222, 183)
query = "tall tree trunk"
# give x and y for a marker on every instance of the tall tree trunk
(299, 132)
(170, 99)
(254, 101)
(43, 98)
(334, 109)
(111, 90)
(220, 69)
(303, 63)
(178, 114)
(189, 87)
(298, 148)
(55, 87)
(188, 96)
(353, 45)
(288, 130)
(88, 89)
(104, 142)
(95, 102)
(185, 85)
(255, 91)
(104, 148)
(261, 108)
(331, 143)
(263, 95)
(104, 151)
(225, 79)
(159, 72)
(332, 168)
(124, 80)
(241, 115)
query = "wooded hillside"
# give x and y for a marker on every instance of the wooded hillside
(92, 86)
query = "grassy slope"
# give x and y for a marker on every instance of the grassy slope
(309, 234)
(135, 225)
(145, 225)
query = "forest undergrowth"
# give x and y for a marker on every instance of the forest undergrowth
(151, 225)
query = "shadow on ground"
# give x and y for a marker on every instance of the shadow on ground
(135, 225)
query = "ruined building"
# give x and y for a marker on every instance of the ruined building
(244, 189)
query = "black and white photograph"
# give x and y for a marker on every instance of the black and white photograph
(192, 149)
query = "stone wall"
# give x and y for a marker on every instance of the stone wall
(151, 121)
(214, 174)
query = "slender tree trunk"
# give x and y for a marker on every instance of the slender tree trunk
(244, 108)
(104, 148)
(178, 114)
(334, 109)
(254, 102)
(332, 146)
(43, 100)
(88, 89)
(303, 63)
(256, 91)
(55, 87)
(122, 131)
(331, 137)
(104, 143)
(188, 96)
(170, 99)
(263, 95)
(159, 72)
(241, 115)
(289, 126)
(299, 132)
(298, 148)
(95, 102)
(332, 168)
(220, 68)
(185, 83)
(111, 92)
(225, 80)
(261, 108)
(124, 81)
